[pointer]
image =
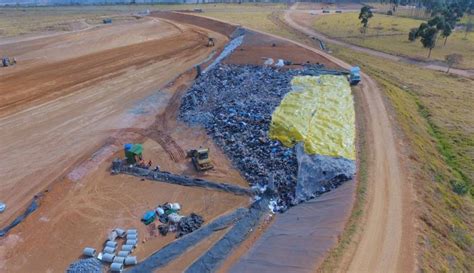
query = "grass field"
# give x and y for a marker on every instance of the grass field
(390, 34)
(433, 111)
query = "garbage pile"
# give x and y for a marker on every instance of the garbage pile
(234, 103)
(171, 220)
(89, 265)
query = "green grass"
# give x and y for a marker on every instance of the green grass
(390, 34)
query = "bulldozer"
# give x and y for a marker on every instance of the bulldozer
(210, 42)
(6, 61)
(200, 158)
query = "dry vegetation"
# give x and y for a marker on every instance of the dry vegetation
(390, 34)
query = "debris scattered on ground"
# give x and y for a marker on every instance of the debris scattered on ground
(234, 103)
(189, 224)
(172, 221)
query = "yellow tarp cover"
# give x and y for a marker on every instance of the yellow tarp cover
(319, 111)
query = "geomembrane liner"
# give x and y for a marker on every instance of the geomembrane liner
(319, 112)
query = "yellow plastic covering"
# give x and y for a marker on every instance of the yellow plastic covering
(319, 112)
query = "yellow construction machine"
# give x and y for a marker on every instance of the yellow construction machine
(200, 158)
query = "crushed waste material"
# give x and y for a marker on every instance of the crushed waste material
(90, 265)
(189, 224)
(234, 103)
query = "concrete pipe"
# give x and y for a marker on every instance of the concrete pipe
(120, 232)
(89, 252)
(132, 236)
(131, 260)
(128, 248)
(109, 249)
(131, 242)
(119, 260)
(123, 253)
(107, 257)
(132, 230)
(111, 244)
(116, 267)
(112, 236)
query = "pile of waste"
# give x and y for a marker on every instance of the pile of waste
(89, 265)
(234, 103)
(171, 220)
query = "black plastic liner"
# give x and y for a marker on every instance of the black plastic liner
(210, 261)
(175, 249)
(31, 208)
(182, 180)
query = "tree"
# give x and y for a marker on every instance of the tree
(437, 21)
(453, 59)
(447, 30)
(428, 38)
(364, 16)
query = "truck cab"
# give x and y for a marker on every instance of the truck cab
(354, 76)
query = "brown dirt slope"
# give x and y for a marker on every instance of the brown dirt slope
(54, 114)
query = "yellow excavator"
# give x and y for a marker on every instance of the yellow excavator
(200, 158)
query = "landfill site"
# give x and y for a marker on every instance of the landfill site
(174, 143)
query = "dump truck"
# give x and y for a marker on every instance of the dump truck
(6, 61)
(353, 74)
(200, 159)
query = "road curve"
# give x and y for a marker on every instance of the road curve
(386, 243)
(387, 240)
(311, 32)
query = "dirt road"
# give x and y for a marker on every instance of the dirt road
(387, 240)
(55, 108)
(301, 20)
